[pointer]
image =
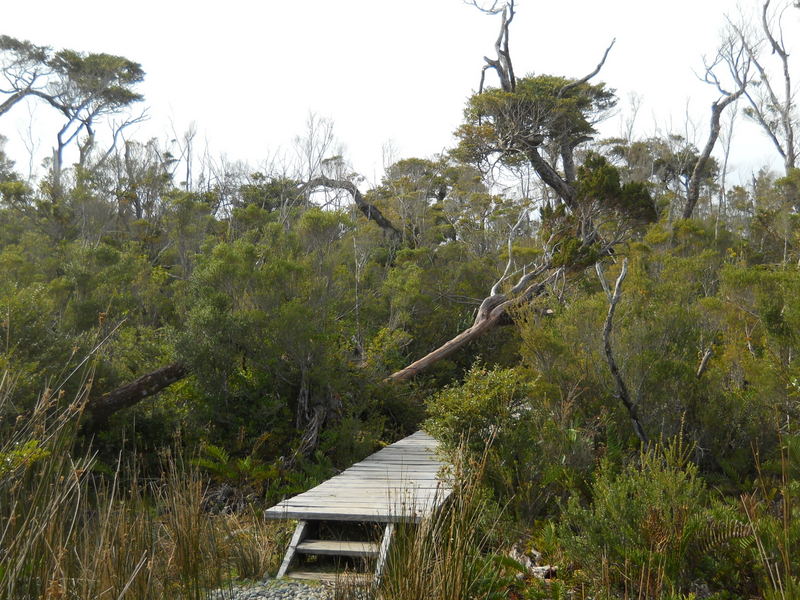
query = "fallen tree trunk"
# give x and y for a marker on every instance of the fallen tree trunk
(492, 312)
(100, 409)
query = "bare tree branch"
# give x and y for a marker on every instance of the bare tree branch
(502, 64)
(369, 210)
(496, 287)
(117, 131)
(622, 389)
(582, 80)
(775, 114)
(693, 188)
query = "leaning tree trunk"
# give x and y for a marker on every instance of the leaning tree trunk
(100, 409)
(493, 311)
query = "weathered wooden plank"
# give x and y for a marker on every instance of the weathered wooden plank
(343, 499)
(384, 553)
(332, 577)
(400, 478)
(299, 532)
(372, 494)
(339, 548)
(373, 491)
(323, 501)
(378, 506)
(351, 514)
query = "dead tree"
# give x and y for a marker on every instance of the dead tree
(619, 382)
(733, 56)
(502, 64)
(771, 102)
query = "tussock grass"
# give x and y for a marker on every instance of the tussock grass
(446, 556)
(67, 532)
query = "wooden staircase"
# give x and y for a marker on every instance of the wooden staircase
(370, 555)
(402, 483)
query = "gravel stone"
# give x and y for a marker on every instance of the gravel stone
(273, 590)
(283, 589)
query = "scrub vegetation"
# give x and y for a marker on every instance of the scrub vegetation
(603, 333)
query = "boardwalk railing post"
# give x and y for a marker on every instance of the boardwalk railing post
(299, 534)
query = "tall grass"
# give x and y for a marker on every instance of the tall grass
(446, 556)
(68, 533)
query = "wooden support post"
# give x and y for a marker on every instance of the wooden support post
(383, 553)
(299, 534)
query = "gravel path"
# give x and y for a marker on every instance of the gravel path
(272, 589)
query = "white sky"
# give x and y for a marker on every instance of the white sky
(249, 73)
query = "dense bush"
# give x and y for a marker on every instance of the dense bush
(534, 454)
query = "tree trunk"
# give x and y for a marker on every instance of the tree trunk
(693, 189)
(492, 312)
(622, 389)
(369, 210)
(100, 409)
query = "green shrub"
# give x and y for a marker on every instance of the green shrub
(650, 531)
(535, 454)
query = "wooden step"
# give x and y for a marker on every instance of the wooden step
(333, 577)
(339, 548)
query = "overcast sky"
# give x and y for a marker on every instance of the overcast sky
(399, 71)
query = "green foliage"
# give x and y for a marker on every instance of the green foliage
(289, 315)
(101, 78)
(21, 455)
(247, 475)
(646, 527)
(534, 455)
(771, 516)
(599, 181)
(542, 108)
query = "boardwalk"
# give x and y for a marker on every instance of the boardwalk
(401, 483)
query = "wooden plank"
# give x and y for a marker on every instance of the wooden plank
(332, 577)
(384, 485)
(378, 496)
(384, 552)
(299, 533)
(368, 516)
(311, 504)
(361, 499)
(421, 501)
(363, 508)
(339, 548)
(388, 509)
(345, 498)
